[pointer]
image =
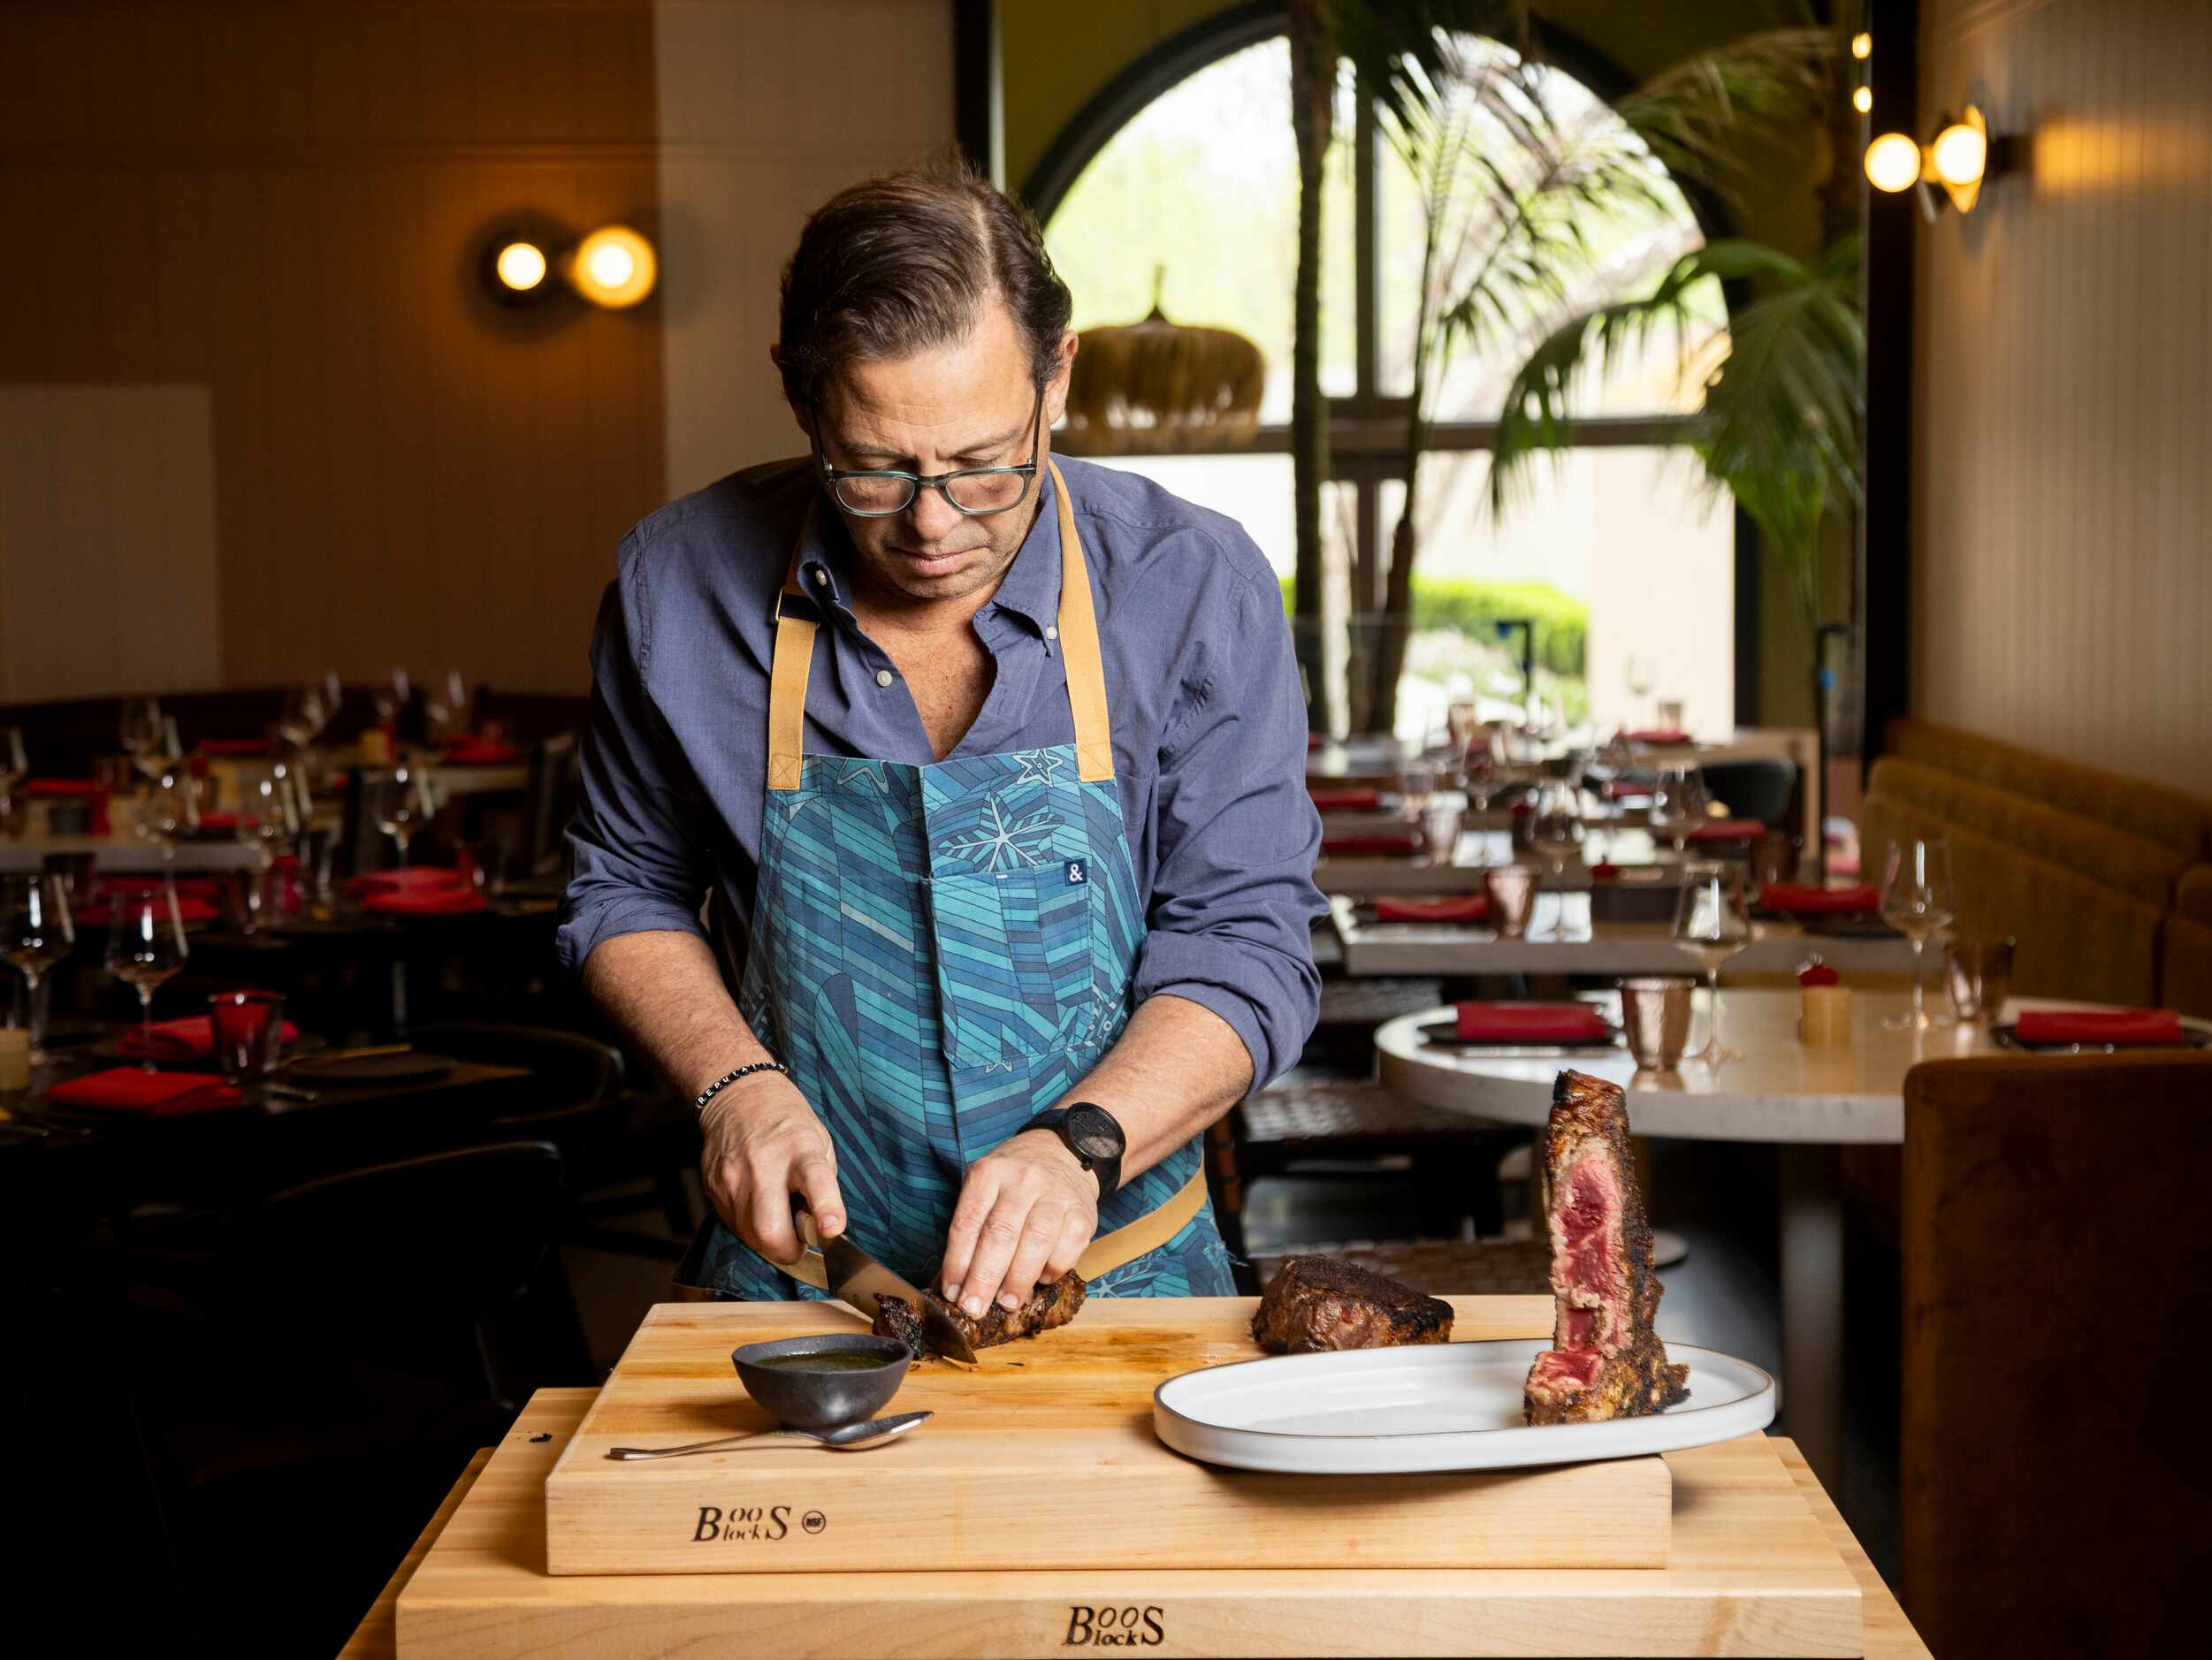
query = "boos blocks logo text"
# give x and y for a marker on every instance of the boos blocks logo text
(1114, 1628)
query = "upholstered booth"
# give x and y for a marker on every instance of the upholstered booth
(2054, 1480)
(2187, 979)
(2084, 868)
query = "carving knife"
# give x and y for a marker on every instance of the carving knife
(851, 1275)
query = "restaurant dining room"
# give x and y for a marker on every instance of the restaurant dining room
(983, 828)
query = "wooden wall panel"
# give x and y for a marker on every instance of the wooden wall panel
(2063, 591)
(282, 202)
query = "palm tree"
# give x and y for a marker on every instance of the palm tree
(1514, 170)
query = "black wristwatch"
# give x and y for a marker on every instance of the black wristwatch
(1093, 1135)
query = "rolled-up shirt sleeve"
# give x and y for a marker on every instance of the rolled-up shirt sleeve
(1233, 900)
(634, 867)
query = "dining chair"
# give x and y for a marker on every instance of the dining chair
(1757, 787)
(2054, 1482)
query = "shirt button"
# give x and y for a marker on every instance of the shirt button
(883, 677)
(821, 577)
(1051, 633)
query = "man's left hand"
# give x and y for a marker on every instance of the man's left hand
(1026, 1211)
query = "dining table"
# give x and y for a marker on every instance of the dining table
(1564, 939)
(127, 854)
(1770, 1089)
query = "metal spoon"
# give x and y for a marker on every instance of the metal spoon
(846, 1438)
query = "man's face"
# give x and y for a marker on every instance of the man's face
(969, 404)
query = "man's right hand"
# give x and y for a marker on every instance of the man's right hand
(764, 1143)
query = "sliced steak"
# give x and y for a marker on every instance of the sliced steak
(1047, 1307)
(1607, 1360)
(1318, 1302)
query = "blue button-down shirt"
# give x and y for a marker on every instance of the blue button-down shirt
(1210, 744)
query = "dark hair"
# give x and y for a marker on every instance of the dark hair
(906, 260)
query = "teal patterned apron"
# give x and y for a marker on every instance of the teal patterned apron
(938, 954)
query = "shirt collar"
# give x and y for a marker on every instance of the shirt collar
(1030, 589)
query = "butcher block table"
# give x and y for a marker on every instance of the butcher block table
(1756, 1562)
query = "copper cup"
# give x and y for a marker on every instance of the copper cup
(1655, 1011)
(1979, 973)
(1512, 891)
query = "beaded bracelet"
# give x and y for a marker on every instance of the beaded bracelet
(723, 1083)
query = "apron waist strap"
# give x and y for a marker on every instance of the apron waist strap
(1149, 1232)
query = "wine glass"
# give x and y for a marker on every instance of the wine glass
(302, 717)
(397, 801)
(1642, 674)
(171, 810)
(1416, 783)
(146, 947)
(1917, 900)
(1554, 833)
(1712, 920)
(1678, 802)
(35, 932)
(142, 731)
(391, 697)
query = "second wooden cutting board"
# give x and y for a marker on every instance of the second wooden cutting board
(1043, 1457)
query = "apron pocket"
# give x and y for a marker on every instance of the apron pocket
(1016, 962)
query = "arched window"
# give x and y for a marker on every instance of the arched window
(1627, 565)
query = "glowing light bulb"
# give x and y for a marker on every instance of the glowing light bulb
(614, 266)
(1893, 163)
(522, 266)
(1959, 154)
(1863, 99)
(1862, 46)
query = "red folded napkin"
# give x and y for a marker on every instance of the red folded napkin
(1627, 790)
(190, 908)
(1726, 830)
(218, 822)
(64, 787)
(189, 1038)
(1530, 1023)
(1661, 736)
(471, 750)
(132, 1089)
(1817, 974)
(414, 879)
(231, 746)
(1347, 800)
(1315, 739)
(1471, 908)
(1346, 846)
(1604, 870)
(427, 901)
(1794, 899)
(2100, 1026)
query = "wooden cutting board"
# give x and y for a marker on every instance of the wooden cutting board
(1043, 1456)
(1751, 1570)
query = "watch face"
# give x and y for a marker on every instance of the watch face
(1092, 1132)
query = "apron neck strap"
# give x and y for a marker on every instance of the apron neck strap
(1086, 667)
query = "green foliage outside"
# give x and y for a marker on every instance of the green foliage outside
(1562, 622)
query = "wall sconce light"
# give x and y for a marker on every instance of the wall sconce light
(1957, 159)
(1862, 46)
(613, 267)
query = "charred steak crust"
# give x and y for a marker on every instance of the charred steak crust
(1322, 1303)
(1047, 1307)
(1607, 1361)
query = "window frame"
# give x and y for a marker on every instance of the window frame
(1367, 427)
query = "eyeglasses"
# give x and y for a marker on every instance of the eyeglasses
(977, 492)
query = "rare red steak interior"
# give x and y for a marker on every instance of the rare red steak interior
(1605, 1360)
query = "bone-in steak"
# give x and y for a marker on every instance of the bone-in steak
(1047, 1307)
(1318, 1302)
(1605, 1361)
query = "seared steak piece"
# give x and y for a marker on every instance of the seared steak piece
(1048, 1305)
(1318, 1302)
(1606, 1361)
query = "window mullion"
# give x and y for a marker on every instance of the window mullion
(1366, 230)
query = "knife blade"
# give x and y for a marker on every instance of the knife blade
(853, 1276)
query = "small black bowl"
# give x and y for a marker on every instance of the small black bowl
(804, 1399)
